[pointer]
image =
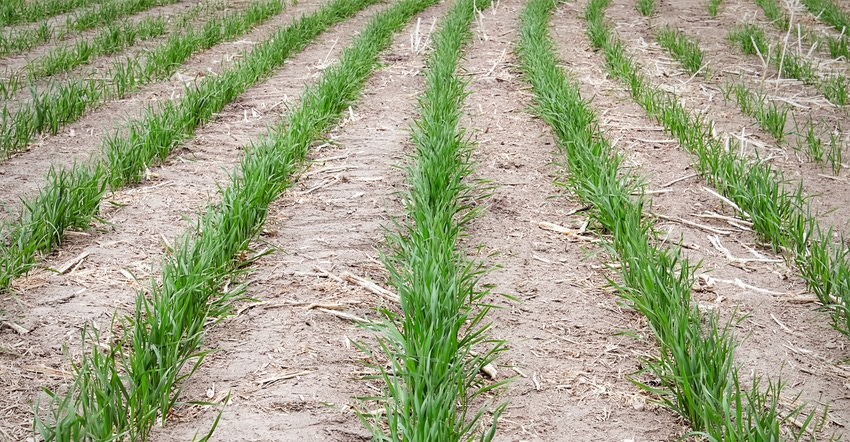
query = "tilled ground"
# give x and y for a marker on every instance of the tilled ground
(293, 371)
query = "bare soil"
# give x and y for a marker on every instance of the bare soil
(293, 372)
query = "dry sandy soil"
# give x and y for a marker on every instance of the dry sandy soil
(292, 372)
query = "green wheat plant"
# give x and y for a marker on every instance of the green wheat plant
(834, 88)
(838, 46)
(750, 39)
(645, 7)
(24, 11)
(168, 327)
(68, 201)
(770, 116)
(798, 67)
(832, 85)
(775, 14)
(108, 11)
(47, 111)
(434, 376)
(62, 103)
(835, 154)
(10, 85)
(20, 40)
(713, 6)
(681, 47)
(698, 376)
(830, 12)
(810, 142)
(154, 136)
(781, 214)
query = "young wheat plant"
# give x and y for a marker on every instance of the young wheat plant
(696, 368)
(435, 372)
(124, 390)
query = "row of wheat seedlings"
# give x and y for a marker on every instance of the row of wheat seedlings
(432, 377)
(23, 11)
(752, 39)
(70, 198)
(698, 376)
(121, 392)
(834, 46)
(681, 47)
(18, 40)
(61, 103)
(782, 218)
(107, 12)
(110, 40)
(831, 13)
(769, 115)
(713, 7)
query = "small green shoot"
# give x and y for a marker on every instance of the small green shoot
(434, 373)
(770, 116)
(750, 39)
(130, 383)
(645, 7)
(684, 49)
(713, 7)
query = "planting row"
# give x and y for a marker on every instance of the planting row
(21, 11)
(202, 263)
(433, 344)
(112, 39)
(698, 376)
(60, 103)
(782, 214)
(108, 11)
